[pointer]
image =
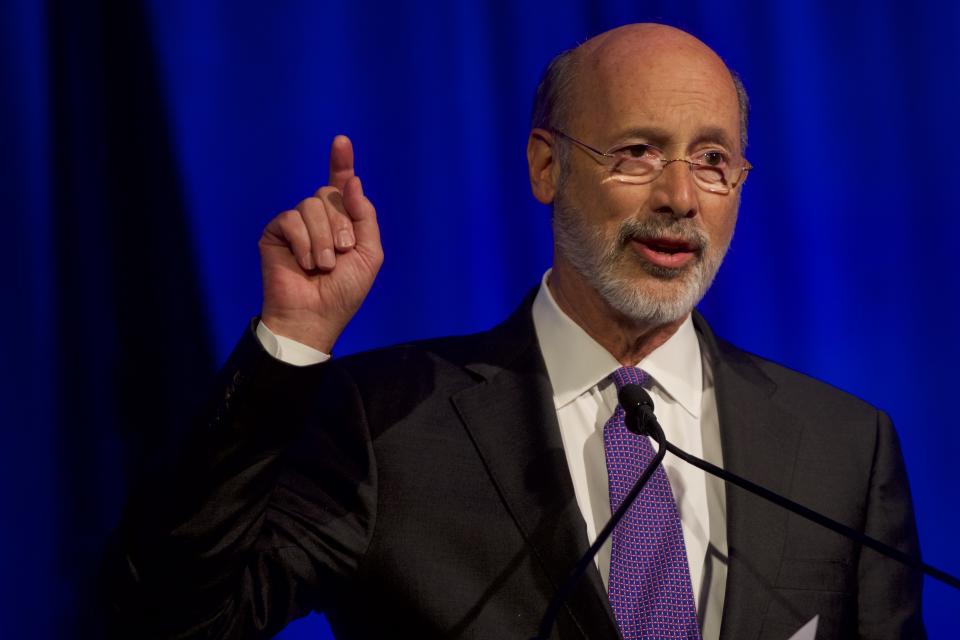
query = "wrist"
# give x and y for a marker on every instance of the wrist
(310, 332)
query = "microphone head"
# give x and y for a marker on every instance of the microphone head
(635, 397)
(637, 405)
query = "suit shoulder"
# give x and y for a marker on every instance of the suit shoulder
(415, 382)
(453, 360)
(445, 363)
(801, 391)
(412, 358)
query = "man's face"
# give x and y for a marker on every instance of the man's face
(650, 250)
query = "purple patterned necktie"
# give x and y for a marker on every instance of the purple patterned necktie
(649, 586)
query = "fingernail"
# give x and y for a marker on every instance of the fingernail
(327, 259)
(307, 262)
(344, 239)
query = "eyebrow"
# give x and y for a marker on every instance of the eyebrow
(714, 134)
(661, 137)
(656, 135)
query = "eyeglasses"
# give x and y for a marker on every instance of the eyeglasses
(713, 170)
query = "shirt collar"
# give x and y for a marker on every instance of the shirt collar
(576, 362)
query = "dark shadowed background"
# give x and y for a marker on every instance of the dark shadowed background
(145, 144)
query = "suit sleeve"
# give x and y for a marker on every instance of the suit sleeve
(889, 592)
(264, 514)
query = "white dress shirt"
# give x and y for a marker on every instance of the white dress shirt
(685, 404)
(585, 398)
(287, 350)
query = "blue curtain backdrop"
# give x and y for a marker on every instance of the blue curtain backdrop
(145, 144)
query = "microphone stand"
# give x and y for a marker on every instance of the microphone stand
(550, 616)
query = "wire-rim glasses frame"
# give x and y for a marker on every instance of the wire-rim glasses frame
(640, 170)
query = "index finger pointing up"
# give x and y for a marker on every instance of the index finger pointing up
(341, 162)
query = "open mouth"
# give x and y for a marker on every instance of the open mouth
(671, 253)
(667, 245)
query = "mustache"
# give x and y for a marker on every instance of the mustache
(663, 227)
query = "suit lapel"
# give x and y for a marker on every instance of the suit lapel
(759, 442)
(511, 418)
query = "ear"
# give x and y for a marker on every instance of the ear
(542, 165)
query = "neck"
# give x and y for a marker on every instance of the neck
(628, 340)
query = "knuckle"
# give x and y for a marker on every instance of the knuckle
(291, 227)
(310, 206)
(326, 191)
(288, 217)
(334, 199)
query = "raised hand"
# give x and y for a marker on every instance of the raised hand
(319, 260)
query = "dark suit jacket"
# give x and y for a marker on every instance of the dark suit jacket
(422, 491)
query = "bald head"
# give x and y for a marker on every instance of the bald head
(613, 62)
(647, 42)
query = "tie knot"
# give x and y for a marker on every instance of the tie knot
(629, 375)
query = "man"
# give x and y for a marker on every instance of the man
(446, 488)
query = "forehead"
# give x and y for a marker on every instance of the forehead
(675, 85)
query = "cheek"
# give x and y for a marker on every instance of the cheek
(604, 207)
(720, 224)
(620, 201)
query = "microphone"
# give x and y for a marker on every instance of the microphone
(638, 406)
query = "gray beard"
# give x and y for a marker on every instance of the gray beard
(606, 263)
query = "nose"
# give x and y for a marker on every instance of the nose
(674, 192)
